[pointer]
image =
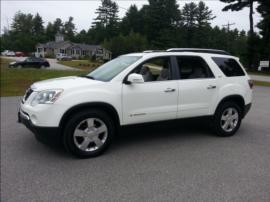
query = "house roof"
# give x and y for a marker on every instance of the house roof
(68, 45)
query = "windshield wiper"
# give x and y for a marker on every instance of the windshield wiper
(87, 76)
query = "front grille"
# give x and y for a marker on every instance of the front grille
(27, 94)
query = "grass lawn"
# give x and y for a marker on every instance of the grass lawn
(14, 82)
(85, 65)
(258, 73)
(262, 83)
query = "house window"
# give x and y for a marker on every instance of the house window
(77, 52)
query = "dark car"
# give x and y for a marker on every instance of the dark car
(32, 62)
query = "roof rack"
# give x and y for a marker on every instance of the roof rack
(152, 51)
(198, 50)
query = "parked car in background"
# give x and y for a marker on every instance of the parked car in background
(30, 62)
(8, 53)
(62, 56)
(19, 54)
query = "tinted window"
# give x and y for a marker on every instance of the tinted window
(156, 69)
(37, 60)
(229, 66)
(193, 68)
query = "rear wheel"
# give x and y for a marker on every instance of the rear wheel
(19, 66)
(227, 119)
(42, 67)
(88, 133)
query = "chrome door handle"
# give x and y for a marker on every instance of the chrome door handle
(211, 87)
(168, 90)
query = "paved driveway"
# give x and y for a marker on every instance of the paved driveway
(53, 63)
(180, 161)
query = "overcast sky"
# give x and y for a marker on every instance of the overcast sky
(84, 11)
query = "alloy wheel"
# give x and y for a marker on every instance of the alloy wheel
(90, 134)
(229, 119)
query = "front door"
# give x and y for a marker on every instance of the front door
(155, 99)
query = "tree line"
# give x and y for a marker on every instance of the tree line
(160, 24)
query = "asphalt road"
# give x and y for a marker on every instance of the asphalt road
(180, 161)
(53, 63)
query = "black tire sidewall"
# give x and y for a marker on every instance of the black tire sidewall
(217, 118)
(75, 120)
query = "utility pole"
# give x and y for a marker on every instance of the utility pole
(228, 26)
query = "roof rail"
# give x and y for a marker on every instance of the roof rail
(152, 51)
(198, 50)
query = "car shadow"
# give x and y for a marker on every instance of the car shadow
(185, 129)
(178, 130)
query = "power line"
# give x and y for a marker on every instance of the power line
(228, 26)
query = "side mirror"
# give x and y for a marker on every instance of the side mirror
(135, 78)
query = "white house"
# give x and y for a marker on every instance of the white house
(75, 50)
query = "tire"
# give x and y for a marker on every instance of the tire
(227, 119)
(19, 66)
(42, 67)
(88, 133)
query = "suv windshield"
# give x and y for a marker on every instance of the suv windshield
(109, 70)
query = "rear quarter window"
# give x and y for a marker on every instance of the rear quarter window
(230, 67)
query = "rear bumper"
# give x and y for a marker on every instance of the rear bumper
(246, 109)
(25, 120)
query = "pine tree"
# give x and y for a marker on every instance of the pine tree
(189, 14)
(107, 13)
(38, 28)
(69, 29)
(204, 15)
(161, 15)
(237, 5)
(132, 21)
(107, 19)
(264, 26)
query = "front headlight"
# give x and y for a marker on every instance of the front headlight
(46, 97)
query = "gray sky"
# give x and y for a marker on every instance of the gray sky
(84, 11)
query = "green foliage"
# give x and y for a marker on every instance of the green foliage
(134, 42)
(264, 26)
(160, 24)
(106, 21)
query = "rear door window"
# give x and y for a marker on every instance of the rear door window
(230, 67)
(193, 67)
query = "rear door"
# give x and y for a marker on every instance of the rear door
(197, 85)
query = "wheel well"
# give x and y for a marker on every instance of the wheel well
(109, 109)
(238, 99)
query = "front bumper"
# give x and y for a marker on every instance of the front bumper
(24, 118)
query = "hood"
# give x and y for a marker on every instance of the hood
(64, 83)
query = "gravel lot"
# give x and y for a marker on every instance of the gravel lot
(176, 161)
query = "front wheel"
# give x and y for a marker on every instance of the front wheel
(227, 119)
(88, 133)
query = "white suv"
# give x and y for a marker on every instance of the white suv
(138, 88)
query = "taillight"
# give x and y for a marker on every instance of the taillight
(250, 83)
